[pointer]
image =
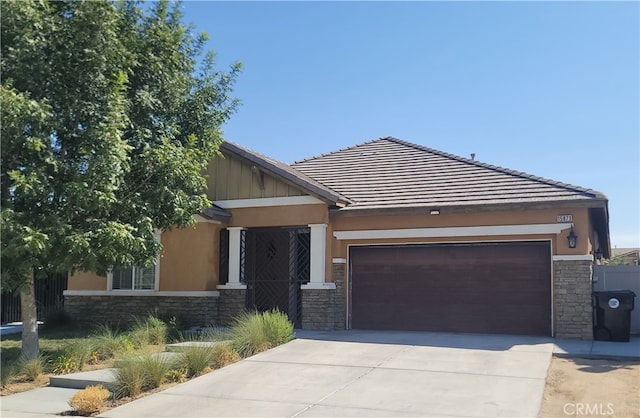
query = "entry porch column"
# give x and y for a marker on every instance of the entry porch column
(233, 278)
(318, 253)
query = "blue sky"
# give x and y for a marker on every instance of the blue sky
(549, 88)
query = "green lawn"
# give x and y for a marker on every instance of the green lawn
(52, 342)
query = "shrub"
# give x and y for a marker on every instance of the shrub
(131, 378)
(224, 354)
(255, 332)
(248, 335)
(107, 342)
(126, 343)
(7, 371)
(196, 360)
(149, 330)
(33, 368)
(80, 351)
(93, 357)
(89, 400)
(156, 368)
(174, 329)
(177, 375)
(137, 374)
(277, 327)
(157, 330)
(64, 364)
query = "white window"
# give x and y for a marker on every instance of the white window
(133, 278)
(136, 278)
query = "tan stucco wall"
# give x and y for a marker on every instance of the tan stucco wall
(346, 222)
(190, 258)
(298, 215)
(189, 261)
(85, 280)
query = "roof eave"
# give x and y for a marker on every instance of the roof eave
(216, 213)
(473, 208)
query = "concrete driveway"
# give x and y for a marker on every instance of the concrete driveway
(368, 374)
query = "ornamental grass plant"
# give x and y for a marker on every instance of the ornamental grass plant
(255, 332)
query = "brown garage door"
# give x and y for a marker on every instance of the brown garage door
(502, 288)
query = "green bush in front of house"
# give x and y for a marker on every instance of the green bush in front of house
(255, 332)
(131, 378)
(277, 328)
(108, 342)
(33, 367)
(149, 331)
(197, 360)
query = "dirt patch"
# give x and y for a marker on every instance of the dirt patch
(580, 387)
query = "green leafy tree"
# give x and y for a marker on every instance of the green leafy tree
(110, 113)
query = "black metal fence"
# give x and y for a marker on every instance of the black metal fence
(49, 298)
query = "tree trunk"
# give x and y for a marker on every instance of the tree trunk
(30, 343)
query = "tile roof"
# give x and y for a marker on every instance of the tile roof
(286, 172)
(391, 173)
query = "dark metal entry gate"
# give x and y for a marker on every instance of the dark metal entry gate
(274, 263)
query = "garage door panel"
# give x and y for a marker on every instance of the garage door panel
(498, 288)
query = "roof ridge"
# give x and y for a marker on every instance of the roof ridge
(505, 170)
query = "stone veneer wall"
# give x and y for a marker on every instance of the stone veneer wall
(232, 303)
(121, 310)
(573, 317)
(324, 309)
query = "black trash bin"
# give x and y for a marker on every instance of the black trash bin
(612, 314)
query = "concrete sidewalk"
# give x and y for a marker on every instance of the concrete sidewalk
(358, 373)
(42, 402)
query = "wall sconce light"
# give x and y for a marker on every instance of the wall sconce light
(434, 212)
(572, 238)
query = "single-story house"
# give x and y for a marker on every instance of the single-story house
(385, 235)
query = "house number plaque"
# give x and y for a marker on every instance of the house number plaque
(565, 218)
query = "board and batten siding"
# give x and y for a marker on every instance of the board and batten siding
(231, 178)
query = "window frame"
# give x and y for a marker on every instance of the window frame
(136, 272)
(156, 279)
